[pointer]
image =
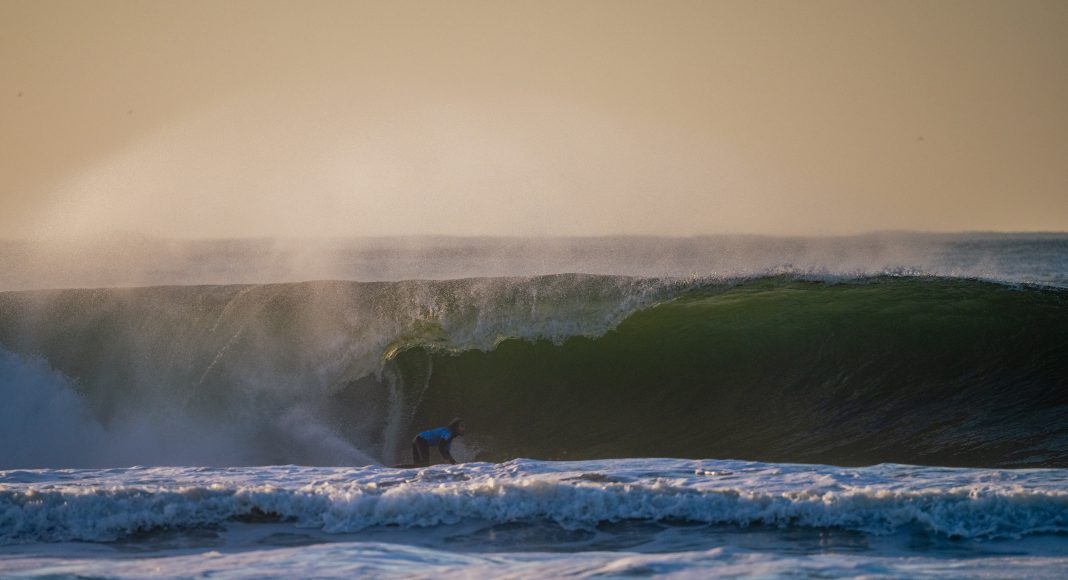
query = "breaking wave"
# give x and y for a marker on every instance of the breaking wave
(907, 369)
(113, 504)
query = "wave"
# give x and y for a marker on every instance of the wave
(246, 375)
(908, 369)
(105, 506)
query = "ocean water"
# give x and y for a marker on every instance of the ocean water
(889, 406)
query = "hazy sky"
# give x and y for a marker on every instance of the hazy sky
(575, 117)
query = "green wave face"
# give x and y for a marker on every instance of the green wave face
(913, 370)
(910, 370)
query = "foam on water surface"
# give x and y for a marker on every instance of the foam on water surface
(588, 518)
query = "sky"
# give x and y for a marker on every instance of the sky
(244, 119)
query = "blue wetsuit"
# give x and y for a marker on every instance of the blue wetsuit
(442, 437)
(437, 436)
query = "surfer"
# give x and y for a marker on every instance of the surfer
(442, 437)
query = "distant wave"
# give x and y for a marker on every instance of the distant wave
(125, 261)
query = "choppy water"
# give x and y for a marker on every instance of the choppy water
(525, 517)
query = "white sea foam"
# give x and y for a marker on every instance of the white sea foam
(85, 505)
(43, 421)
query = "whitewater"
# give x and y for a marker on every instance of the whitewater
(882, 406)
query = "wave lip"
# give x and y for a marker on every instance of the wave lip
(95, 506)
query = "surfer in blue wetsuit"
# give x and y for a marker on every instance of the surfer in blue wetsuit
(442, 437)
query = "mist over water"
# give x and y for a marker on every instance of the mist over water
(124, 260)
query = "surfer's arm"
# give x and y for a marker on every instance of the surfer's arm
(444, 449)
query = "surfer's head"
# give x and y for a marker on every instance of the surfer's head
(457, 426)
